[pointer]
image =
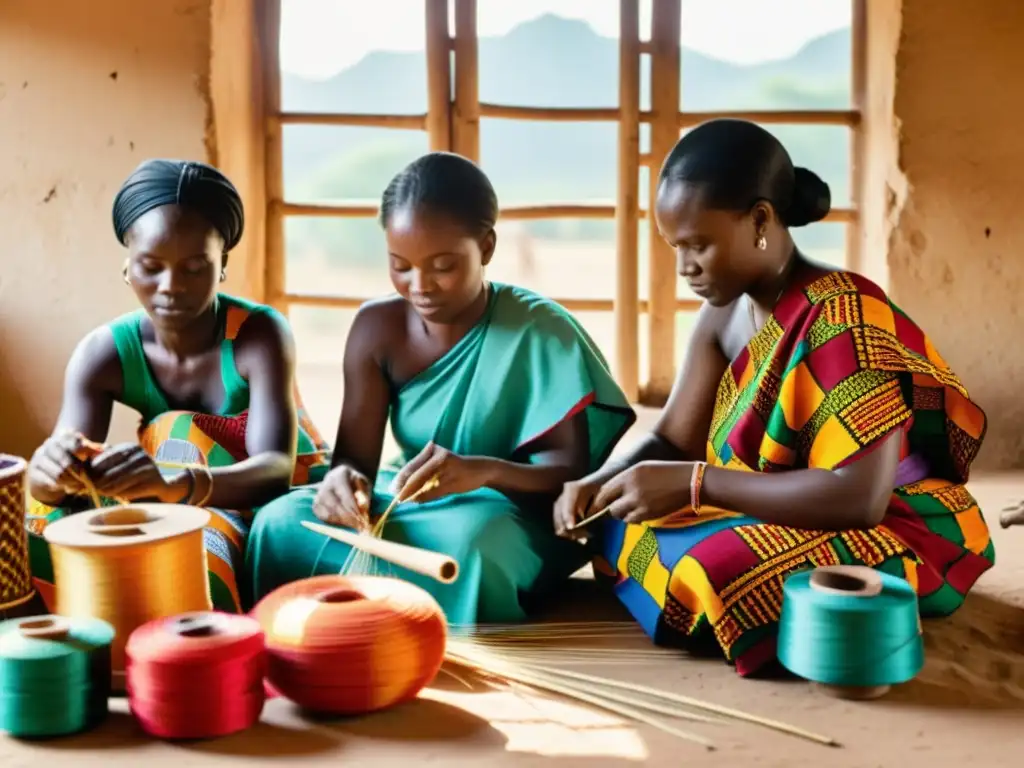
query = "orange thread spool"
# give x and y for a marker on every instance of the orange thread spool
(351, 645)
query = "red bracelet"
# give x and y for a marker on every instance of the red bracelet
(696, 481)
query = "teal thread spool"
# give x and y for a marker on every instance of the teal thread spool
(853, 630)
(54, 675)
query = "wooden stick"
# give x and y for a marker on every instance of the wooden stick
(466, 107)
(588, 520)
(432, 564)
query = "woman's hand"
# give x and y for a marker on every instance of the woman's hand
(646, 491)
(344, 499)
(573, 505)
(126, 471)
(58, 462)
(454, 474)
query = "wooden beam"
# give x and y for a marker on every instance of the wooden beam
(466, 111)
(403, 122)
(355, 209)
(551, 114)
(270, 36)
(665, 30)
(439, 76)
(858, 160)
(627, 258)
(573, 305)
(845, 117)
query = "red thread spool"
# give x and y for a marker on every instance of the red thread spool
(351, 645)
(197, 675)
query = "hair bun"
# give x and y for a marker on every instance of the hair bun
(812, 199)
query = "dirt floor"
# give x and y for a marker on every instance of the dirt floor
(966, 705)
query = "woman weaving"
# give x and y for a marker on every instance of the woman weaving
(492, 391)
(832, 430)
(210, 375)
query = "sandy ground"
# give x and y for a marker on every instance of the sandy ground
(967, 704)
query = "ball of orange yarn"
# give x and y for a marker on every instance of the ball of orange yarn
(351, 645)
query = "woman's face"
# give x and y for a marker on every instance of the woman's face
(435, 263)
(716, 250)
(175, 260)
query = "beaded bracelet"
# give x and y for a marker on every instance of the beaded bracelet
(696, 481)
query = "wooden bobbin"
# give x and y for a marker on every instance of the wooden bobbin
(849, 581)
(121, 535)
(45, 628)
(197, 624)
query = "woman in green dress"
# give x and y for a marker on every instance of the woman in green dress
(492, 389)
(210, 375)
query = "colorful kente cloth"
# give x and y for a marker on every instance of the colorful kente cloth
(526, 367)
(178, 439)
(835, 369)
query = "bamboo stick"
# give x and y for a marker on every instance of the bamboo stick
(269, 20)
(439, 97)
(433, 564)
(665, 29)
(627, 258)
(565, 690)
(466, 111)
(735, 714)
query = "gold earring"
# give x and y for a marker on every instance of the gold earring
(223, 275)
(762, 244)
(124, 273)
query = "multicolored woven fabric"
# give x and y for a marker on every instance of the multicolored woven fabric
(835, 369)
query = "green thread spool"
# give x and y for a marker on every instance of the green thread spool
(54, 675)
(851, 629)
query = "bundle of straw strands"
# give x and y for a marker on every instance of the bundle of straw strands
(539, 657)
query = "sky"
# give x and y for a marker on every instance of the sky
(319, 38)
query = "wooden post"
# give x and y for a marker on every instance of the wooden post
(665, 30)
(466, 117)
(627, 206)
(270, 36)
(858, 87)
(439, 74)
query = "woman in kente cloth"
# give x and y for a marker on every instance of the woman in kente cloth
(495, 391)
(210, 375)
(812, 422)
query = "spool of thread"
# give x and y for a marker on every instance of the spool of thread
(350, 645)
(196, 676)
(853, 630)
(54, 675)
(15, 576)
(130, 565)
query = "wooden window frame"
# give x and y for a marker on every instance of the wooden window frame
(452, 122)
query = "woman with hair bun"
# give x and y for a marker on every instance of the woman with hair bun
(812, 422)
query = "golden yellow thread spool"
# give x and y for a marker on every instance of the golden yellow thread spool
(130, 565)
